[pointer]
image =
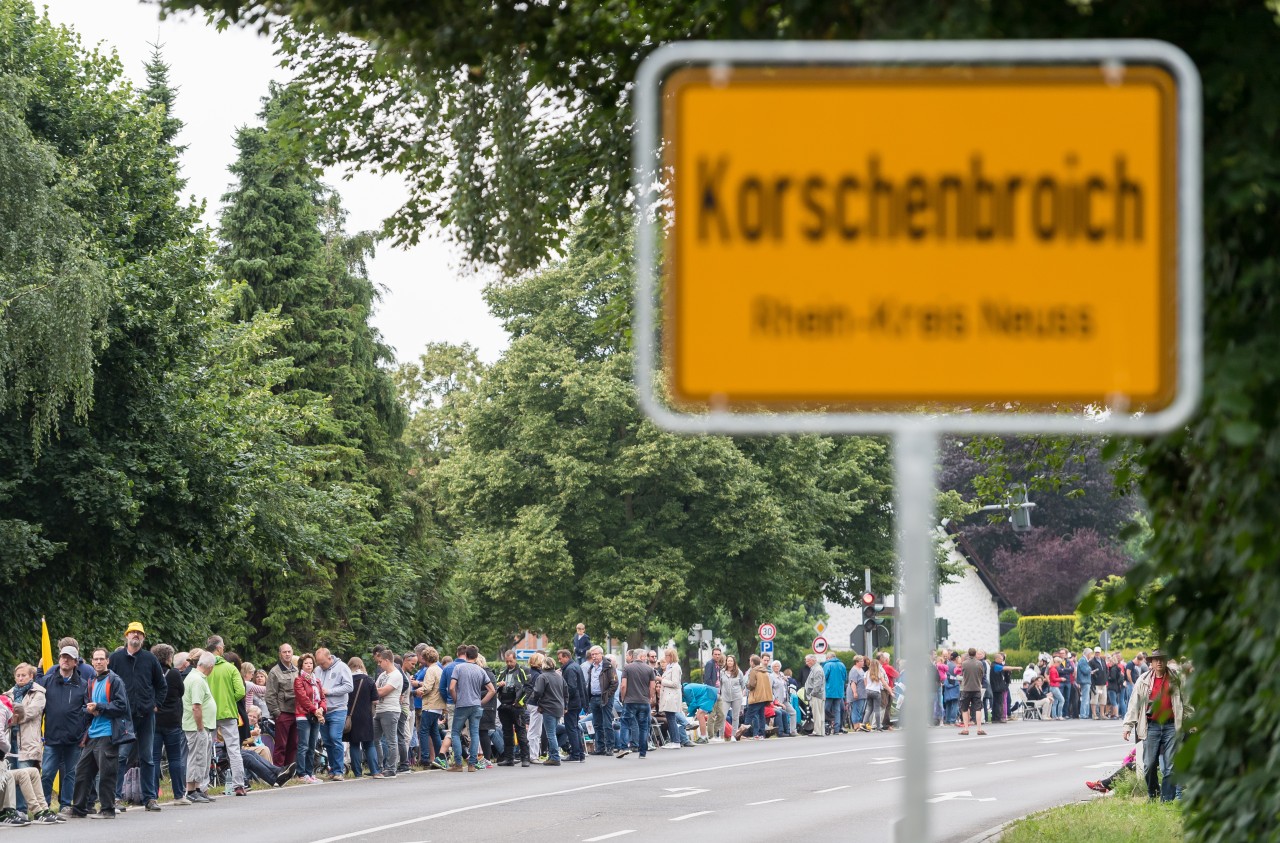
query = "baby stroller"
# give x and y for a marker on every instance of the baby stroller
(804, 714)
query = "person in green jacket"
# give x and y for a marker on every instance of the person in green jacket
(228, 689)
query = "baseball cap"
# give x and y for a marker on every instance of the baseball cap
(136, 626)
(70, 651)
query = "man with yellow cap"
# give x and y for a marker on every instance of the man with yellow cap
(144, 678)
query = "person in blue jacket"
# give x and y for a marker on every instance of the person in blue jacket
(107, 702)
(837, 675)
(700, 699)
(64, 725)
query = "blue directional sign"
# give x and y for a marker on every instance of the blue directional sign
(766, 646)
(524, 655)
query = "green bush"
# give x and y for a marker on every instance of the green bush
(1011, 640)
(1009, 616)
(1046, 633)
(1021, 658)
(695, 675)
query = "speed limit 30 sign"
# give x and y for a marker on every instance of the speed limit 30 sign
(767, 631)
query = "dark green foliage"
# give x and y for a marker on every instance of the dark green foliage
(1046, 633)
(284, 237)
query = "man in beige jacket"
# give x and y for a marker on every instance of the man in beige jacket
(1155, 715)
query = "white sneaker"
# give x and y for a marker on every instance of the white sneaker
(717, 740)
(671, 745)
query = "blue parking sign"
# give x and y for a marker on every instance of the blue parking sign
(766, 646)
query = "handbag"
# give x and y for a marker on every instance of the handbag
(346, 727)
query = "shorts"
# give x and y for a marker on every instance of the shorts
(970, 701)
(1100, 695)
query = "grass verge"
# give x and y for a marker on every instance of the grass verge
(1126, 816)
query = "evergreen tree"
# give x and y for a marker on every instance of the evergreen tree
(284, 236)
(160, 94)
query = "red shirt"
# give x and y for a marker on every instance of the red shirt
(1160, 707)
(890, 674)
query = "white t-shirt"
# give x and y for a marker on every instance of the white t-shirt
(391, 702)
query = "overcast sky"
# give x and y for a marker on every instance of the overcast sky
(221, 78)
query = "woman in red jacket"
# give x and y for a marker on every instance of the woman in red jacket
(1055, 689)
(308, 708)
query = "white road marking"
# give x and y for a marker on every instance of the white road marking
(1104, 765)
(832, 789)
(690, 816)
(1046, 755)
(949, 770)
(961, 796)
(1006, 761)
(681, 792)
(609, 835)
(1108, 746)
(462, 809)
(1052, 740)
(765, 801)
(875, 761)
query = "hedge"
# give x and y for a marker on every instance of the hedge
(1046, 633)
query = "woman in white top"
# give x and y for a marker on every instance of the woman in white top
(875, 682)
(732, 692)
(670, 698)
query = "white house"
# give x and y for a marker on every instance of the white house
(970, 605)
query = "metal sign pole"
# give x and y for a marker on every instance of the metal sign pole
(915, 451)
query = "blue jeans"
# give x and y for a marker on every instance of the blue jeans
(624, 728)
(145, 746)
(781, 719)
(1085, 689)
(637, 719)
(174, 743)
(1160, 745)
(332, 734)
(429, 736)
(755, 717)
(1113, 699)
(469, 714)
(361, 753)
(573, 732)
(950, 713)
(549, 742)
(602, 722)
(858, 709)
(59, 760)
(306, 745)
(834, 714)
(1056, 710)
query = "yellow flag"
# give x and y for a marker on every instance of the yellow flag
(46, 648)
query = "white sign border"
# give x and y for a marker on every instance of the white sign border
(645, 161)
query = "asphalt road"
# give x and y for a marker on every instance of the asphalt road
(846, 788)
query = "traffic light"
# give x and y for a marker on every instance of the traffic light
(869, 609)
(943, 630)
(1020, 510)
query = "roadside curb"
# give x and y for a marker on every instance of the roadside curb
(991, 835)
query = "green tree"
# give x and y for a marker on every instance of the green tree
(1092, 620)
(100, 522)
(570, 505)
(284, 236)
